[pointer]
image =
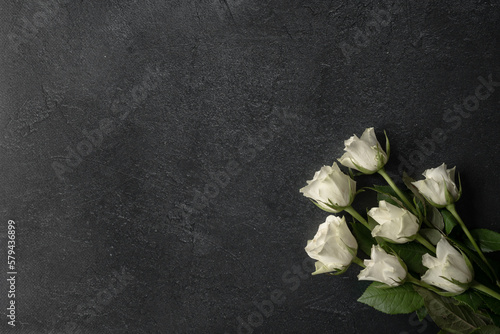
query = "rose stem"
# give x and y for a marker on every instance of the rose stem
(411, 279)
(359, 262)
(426, 243)
(396, 189)
(350, 210)
(453, 211)
(480, 287)
(474, 285)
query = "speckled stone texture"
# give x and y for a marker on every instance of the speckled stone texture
(152, 151)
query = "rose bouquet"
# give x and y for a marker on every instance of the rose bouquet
(420, 254)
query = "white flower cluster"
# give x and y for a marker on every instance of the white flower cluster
(392, 222)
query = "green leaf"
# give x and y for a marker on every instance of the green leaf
(372, 223)
(470, 298)
(495, 317)
(398, 300)
(475, 259)
(436, 218)
(421, 208)
(449, 221)
(363, 237)
(351, 173)
(384, 190)
(492, 303)
(386, 193)
(449, 316)
(431, 234)
(407, 180)
(488, 241)
(387, 145)
(421, 313)
(490, 329)
(390, 199)
(411, 254)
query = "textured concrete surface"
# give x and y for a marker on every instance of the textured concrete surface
(152, 151)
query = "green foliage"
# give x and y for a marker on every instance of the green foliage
(488, 241)
(431, 234)
(386, 193)
(452, 316)
(363, 237)
(478, 263)
(449, 221)
(495, 317)
(407, 180)
(411, 254)
(471, 299)
(476, 310)
(490, 329)
(421, 313)
(492, 303)
(436, 218)
(396, 300)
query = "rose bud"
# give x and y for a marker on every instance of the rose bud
(330, 189)
(448, 270)
(383, 268)
(439, 186)
(396, 224)
(364, 154)
(334, 247)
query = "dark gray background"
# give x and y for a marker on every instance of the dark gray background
(122, 241)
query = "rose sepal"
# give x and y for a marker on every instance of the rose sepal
(387, 146)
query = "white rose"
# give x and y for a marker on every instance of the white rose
(333, 246)
(395, 224)
(331, 189)
(383, 268)
(438, 181)
(364, 154)
(448, 266)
